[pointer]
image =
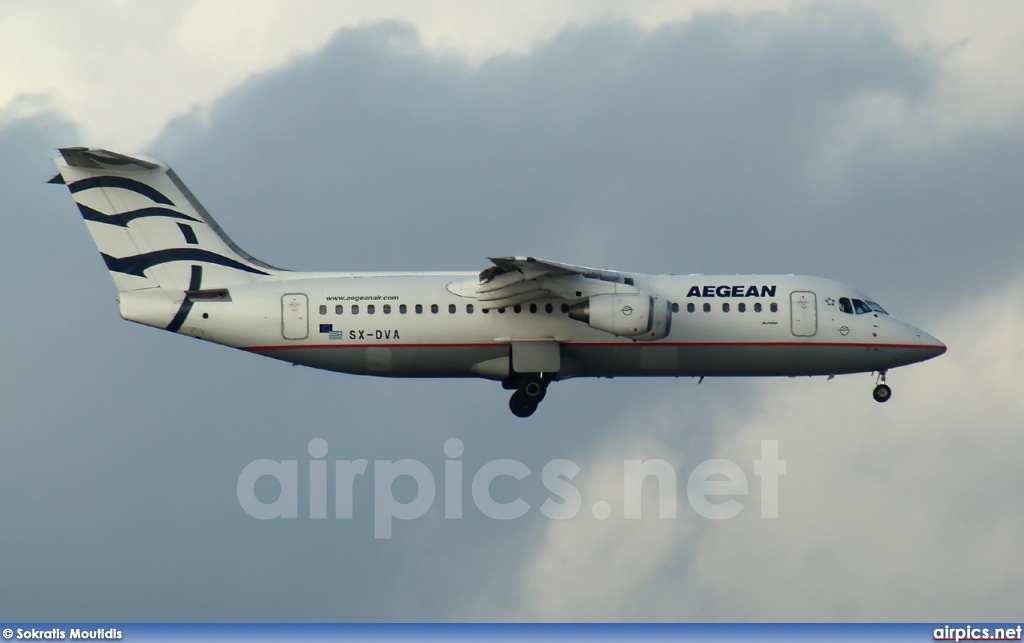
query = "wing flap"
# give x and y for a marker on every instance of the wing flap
(517, 280)
(531, 267)
(512, 300)
(503, 280)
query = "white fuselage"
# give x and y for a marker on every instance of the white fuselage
(385, 324)
(523, 321)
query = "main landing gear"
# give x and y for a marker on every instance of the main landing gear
(882, 392)
(529, 393)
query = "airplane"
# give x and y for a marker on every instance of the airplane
(521, 321)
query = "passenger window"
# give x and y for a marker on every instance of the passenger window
(742, 307)
(339, 309)
(501, 310)
(725, 307)
(485, 310)
(402, 309)
(419, 309)
(387, 309)
(675, 307)
(548, 308)
(860, 307)
(469, 308)
(355, 309)
(433, 308)
(370, 309)
(451, 308)
(323, 310)
(845, 306)
(774, 307)
(533, 308)
(757, 307)
(517, 308)
(565, 308)
(690, 307)
(707, 307)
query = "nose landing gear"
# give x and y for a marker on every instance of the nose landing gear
(529, 393)
(882, 392)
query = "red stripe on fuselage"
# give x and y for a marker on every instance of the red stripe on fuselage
(257, 349)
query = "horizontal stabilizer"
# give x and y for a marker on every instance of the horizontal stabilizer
(95, 159)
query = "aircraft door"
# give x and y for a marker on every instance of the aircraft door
(295, 316)
(803, 311)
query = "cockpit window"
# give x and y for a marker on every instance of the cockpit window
(860, 307)
(845, 306)
(875, 307)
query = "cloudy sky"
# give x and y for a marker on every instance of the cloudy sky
(874, 144)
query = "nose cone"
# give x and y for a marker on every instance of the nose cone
(934, 344)
(909, 344)
(928, 346)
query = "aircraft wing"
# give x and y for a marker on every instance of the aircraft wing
(517, 280)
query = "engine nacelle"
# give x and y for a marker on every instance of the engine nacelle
(635, 315)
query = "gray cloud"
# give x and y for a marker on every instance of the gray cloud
(693, 148)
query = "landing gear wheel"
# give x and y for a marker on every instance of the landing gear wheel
(530, 391)
(882, 392)
(521, 405)
(534, 390)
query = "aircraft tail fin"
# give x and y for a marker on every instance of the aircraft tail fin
(149, 228)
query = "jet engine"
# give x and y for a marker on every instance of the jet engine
(635, 315)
